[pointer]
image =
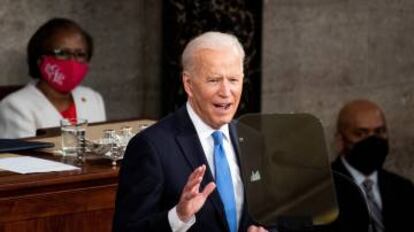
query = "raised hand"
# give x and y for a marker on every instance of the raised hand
(256, 229)
(191, 199)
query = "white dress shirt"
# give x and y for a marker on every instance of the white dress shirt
(204, 133)
(359, 179)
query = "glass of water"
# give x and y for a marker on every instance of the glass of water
(125, 134)
(73, 136)
(112, 139)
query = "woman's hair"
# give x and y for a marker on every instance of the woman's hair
(39, 41)
(210, 40)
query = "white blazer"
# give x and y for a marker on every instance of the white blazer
(26, 110)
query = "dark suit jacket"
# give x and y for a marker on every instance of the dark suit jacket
(397, 194)
(155, 168)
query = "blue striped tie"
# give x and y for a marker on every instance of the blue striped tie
(223, 181)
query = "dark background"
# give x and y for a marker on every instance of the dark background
(185, 19)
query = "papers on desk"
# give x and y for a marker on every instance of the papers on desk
(27, 164)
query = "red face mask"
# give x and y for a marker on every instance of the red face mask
(62, 75)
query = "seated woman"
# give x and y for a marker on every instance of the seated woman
(58, 55)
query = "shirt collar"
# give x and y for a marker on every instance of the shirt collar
(359, 176)
(203, 130)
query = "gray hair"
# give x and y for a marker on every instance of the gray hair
(210, 40)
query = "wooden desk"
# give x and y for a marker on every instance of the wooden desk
(78, 201)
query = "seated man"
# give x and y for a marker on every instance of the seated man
(362, 142)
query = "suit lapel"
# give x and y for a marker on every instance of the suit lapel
(385, 192)
(235, 142)
(190, 145)
(338, 166)
(234, 137)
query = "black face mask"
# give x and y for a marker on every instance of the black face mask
(368, 155)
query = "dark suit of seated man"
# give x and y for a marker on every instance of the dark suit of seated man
(362, 142)
(173, 177)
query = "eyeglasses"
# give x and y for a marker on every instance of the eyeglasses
(64, 54)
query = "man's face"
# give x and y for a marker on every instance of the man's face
(215, 85)
(360, 125)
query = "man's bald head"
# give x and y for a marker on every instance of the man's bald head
(357, 110)
(358, 120)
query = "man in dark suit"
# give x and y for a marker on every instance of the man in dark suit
(168, 178)
(362, 142)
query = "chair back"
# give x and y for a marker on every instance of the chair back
(8, 89)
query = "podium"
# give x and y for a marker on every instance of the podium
(68, 201)
(61, 201)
